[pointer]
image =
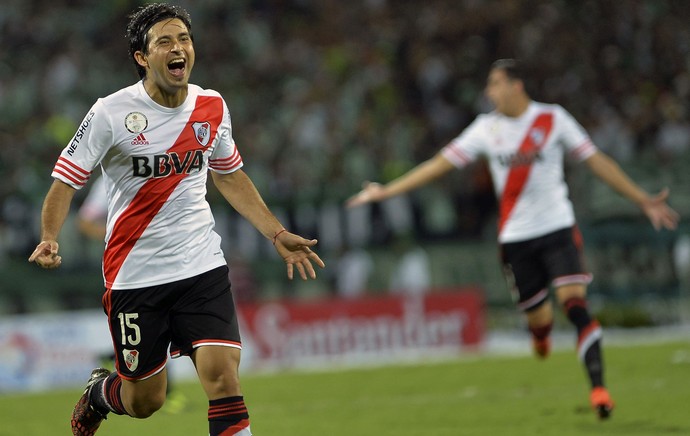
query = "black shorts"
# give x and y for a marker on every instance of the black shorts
(182, 315)
(532, 266)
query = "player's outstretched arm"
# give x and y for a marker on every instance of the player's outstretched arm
(53, 215)
(655, 207)
(243, 196)
(418, 176)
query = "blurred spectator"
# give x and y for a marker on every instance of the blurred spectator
(673, 138)
(93, 212)
(411, 274)
(612, 135)
(242, 280)
(353, 272)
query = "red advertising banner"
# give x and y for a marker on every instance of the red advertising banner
(46, 351)
(362, 329)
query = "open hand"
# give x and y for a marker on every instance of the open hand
(370, 193)
(660, 213)
(297, 253)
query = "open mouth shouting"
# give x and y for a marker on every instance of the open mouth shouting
(177, 67)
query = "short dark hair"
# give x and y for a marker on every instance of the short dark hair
(141, 20)
(512, 68)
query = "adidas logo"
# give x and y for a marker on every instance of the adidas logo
(140, 140)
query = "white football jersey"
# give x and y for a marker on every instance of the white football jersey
(155, 162)
(525, 156)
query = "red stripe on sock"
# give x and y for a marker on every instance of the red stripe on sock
(594, 325)
(230, 431)
(574, 302)
(542, 331)
(222, 410)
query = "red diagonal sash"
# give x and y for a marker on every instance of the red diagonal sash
(517, 177)
(148, 201)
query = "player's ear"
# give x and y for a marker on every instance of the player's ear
(140, 58)
(520, 84)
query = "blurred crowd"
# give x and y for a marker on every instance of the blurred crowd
(325, 94)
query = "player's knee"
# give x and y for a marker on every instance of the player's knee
(542, 309)
(223, 384)
(569, 292)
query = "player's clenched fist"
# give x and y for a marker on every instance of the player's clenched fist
(45, 255)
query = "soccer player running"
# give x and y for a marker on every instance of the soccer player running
(524, 142)
(166, 278)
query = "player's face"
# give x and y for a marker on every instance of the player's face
(170, 56)
(501, 90)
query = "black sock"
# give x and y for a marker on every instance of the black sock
(227, 416)
(105, 395)
(588, 339)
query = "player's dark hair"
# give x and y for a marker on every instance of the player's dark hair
(512, 68)
(141, 20)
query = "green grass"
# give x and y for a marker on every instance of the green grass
(486, 395)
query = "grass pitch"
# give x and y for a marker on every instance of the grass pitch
(483, 395)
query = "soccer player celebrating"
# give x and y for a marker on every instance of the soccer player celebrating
(165, 274)
(524, 142)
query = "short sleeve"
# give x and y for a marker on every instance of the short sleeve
(469, 145)
(90, 143)
(574, 137)
(225, 157)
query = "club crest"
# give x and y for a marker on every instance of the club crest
(537, 135)
(131, 359)
(202, 132)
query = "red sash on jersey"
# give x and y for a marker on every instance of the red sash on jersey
(145, 205)
(517, 177)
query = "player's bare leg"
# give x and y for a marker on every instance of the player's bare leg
(142, 398)
(218, 370)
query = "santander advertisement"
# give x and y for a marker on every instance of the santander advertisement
(364, 329)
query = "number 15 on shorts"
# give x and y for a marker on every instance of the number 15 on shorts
(131, 335)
